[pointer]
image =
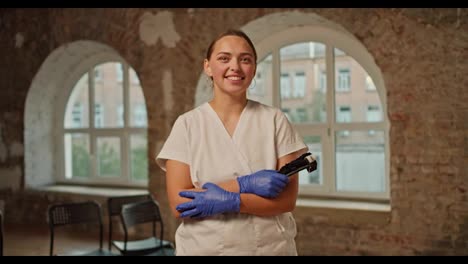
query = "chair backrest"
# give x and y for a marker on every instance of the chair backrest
(2, 210)
(74, 213)
(114, 206)
(140, 213)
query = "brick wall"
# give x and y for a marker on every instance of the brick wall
(423, 58)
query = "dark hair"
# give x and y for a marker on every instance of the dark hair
(231, 32)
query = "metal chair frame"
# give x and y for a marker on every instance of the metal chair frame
(140, 213)
(65, 214)
(114, 206)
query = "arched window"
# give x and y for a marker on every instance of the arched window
(103, 136)
(330, 89)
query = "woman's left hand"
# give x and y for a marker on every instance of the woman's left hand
(214, 200)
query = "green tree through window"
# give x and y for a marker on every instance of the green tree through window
(80, 161)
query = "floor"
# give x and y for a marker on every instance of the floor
(28, 240)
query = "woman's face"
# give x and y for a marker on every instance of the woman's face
(231, 65)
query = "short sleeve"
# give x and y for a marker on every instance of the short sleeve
(288, 139)
(176, 146)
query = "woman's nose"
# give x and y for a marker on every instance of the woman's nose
(234, 65)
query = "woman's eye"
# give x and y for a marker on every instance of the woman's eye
(246, 60)
(223, 59)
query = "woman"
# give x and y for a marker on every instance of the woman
(221, 160)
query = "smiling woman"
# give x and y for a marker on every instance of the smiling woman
(221, 176)
(233, 64)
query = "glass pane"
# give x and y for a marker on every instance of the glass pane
(138, 117)
(315, 147)
(303, 82)
(261, 88)
(108, 153)
(139, 157)
(108, 95)
(355, 90)
(285, 85)
(76, 115)
(77, 159)
(360, 161)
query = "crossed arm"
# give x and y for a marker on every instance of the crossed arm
(178, 179)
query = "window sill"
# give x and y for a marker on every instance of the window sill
(80, 190)
(343, 213)
(342, 204)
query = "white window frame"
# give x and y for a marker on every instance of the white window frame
(300, 83)
(344, 80)
(285, 85)
(77, 115)
(87, 66)
(347, 43)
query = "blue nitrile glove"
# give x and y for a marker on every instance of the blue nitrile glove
(214, 200)
(265, 183)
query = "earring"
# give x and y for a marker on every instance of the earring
(254, 84)
(209, 81)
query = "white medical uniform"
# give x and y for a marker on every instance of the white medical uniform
(199, 139)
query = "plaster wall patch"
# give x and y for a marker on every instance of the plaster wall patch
(19, 40)
(158, 26)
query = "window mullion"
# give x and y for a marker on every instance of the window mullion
(92, 134)
(125, 137)
(276, 70)
(329, 141)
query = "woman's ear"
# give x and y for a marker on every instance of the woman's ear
(207, 68)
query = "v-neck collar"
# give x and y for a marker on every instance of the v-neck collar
(239, 124)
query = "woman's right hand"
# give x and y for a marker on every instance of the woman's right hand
(265, 183)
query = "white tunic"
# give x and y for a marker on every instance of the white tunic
(199, 139)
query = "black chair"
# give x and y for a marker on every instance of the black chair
(2, 209)
(66, 214)
(139, 214)
(114, 206)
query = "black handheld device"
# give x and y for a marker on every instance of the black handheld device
(305, 161)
